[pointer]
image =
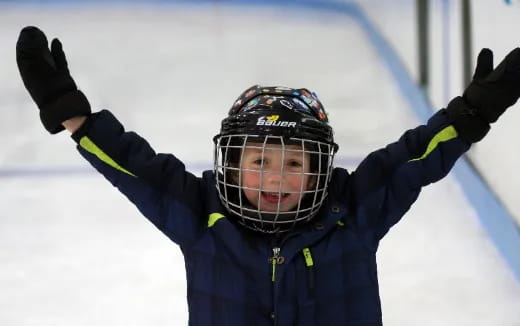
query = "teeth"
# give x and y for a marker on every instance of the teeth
(275, 194)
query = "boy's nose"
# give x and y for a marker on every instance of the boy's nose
(272, 176)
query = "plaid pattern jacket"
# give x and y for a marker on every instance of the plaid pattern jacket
(323, 273)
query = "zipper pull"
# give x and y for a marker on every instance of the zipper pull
(276, 253)
(276, 259)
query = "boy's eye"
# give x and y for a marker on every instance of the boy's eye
(295, 164)
(258, 161)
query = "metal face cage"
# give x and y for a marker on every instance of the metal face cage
(270, 183)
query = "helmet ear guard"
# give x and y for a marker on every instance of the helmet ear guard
(268, 119)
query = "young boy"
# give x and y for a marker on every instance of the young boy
(273, 235)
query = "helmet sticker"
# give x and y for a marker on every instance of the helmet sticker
(316, 105)
(283, 88)
(286, 103)
(251, 104)
(306, 94)
(250, 92)
(307, 99)
(301, 106)
(238, 102)
(322, 114)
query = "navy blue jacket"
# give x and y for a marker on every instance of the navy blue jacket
(325, 272)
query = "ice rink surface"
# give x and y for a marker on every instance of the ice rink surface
(73, 251)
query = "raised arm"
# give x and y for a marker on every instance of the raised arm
(156, 183)
(390, 179)
(379, 168)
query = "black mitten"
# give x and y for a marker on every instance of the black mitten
(488, 95)
(46, 76)
(492, 91)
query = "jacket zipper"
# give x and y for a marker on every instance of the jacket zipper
(276, 259)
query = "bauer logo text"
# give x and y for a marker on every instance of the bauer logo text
(272, 120)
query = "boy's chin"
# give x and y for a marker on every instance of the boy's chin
(273, 207)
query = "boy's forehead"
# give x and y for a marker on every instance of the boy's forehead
(254, 147)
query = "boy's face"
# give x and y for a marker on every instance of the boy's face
(275, 180)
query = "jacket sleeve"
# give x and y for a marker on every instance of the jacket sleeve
(388, 181)
(158, 184)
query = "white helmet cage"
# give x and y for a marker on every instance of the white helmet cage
(292, 131)
(311, 192)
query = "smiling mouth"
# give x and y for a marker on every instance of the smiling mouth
(274, 197)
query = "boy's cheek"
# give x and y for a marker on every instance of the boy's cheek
(249, 181)
(252, 197)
